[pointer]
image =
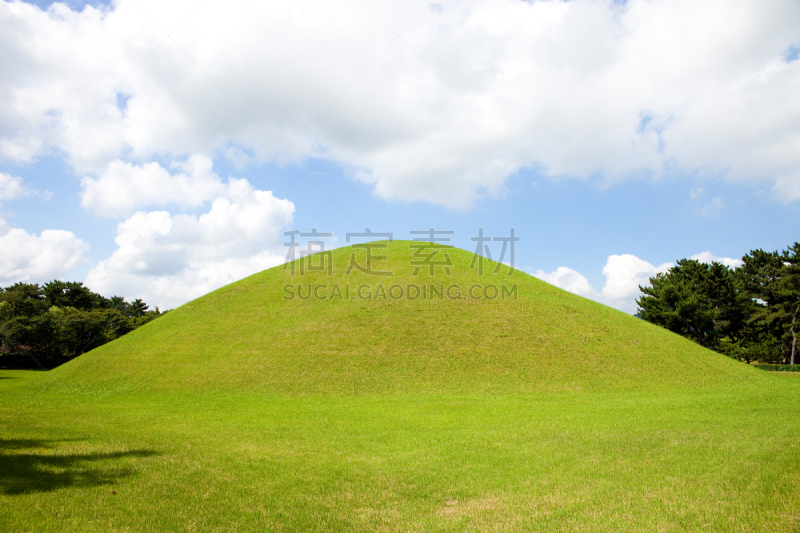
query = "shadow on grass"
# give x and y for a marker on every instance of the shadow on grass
(22, 471)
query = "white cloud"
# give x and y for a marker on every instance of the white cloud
(122, 187)
(239, 158)
(10, 187)
(708, 257)
(29, 257)
(232, 240)
(624, 274)
(38, 258)
(13, 187)
(569, 280)
(438, 111)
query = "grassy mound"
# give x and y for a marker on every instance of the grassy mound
(248, 411)
(463, 332)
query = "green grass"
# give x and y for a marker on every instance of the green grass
(244, 412)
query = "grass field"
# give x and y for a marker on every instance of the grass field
(242, 411)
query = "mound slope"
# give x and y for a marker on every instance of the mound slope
(333, 327)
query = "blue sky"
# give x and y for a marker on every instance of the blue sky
(611, 150)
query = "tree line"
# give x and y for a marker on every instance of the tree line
(750, 313)
(44, 326)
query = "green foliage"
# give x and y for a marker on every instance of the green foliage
(72, 294)
(696, 300)
(80, 331)
(751, 313)
(22, 300)
(23, 335)
(788, 304)
(61, 320)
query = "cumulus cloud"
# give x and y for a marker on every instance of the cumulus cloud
(624, 274)
(708, 257)
(38, 258)
(169, 259)
(124, 187)
(29, 257)
(569, 280)
(429, 115)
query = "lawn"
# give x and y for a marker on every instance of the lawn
(246, 410)
(722, 459)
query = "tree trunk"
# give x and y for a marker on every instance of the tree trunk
(794, 335)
